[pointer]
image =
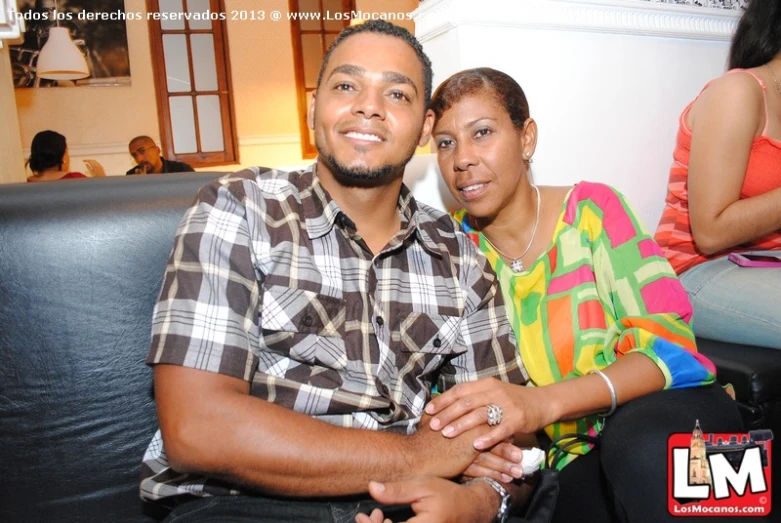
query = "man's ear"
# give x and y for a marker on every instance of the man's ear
(428, 126)
(310, 114)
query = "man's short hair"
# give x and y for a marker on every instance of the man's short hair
(385, 28)
(140, 138)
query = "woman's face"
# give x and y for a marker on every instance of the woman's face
(480, 153)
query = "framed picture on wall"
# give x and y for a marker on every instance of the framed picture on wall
(97, 29)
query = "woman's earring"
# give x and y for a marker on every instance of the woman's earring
(528, 160)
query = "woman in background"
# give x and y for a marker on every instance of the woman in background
(49, 159)
(724, 193)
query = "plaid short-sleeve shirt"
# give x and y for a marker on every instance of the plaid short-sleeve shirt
(270, 282)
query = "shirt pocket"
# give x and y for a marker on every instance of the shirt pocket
(306, 326)
(428, 333)
(423, 341)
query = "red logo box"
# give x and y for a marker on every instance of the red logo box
(719, 474)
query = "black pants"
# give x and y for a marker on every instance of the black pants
(254, 509)
(625, 479)
(259, 509)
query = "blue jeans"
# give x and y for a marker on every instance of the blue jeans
(735, 304)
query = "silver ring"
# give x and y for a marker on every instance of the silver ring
(494, 415)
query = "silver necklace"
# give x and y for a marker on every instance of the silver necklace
(517, 265)
(778, 88)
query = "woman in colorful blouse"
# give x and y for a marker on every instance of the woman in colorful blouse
(599, 315)
(724, 193)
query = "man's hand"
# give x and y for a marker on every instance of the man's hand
(449, 457)
(502, 463)
(435, 500)
(443, 457)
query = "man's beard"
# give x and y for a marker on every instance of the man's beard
(364, 176)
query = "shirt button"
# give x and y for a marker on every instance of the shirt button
(308, 321)
(437, 343)
(380, 321)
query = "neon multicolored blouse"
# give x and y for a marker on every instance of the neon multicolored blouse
(601, 290)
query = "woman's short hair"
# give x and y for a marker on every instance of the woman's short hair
(502, 86)
(758, 36)
(46, 151)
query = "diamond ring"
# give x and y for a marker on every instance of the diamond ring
(494, 415)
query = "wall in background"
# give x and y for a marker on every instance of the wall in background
(99, 121)
(11, 160)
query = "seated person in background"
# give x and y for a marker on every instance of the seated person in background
(305, 316)
(147, 155)
(598, 313)
(49, 159)
(724, 193)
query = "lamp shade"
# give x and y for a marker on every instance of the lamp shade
(60, 59)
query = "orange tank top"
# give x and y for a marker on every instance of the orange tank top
(763, 174)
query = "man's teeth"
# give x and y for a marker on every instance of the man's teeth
(473, 187)
(363, 136)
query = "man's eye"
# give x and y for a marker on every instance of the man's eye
(343, 87)
(399, 95)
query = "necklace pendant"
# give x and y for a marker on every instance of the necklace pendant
(517, 265)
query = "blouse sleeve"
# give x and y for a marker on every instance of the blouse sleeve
(653, 315)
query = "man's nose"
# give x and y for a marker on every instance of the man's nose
(370, 103)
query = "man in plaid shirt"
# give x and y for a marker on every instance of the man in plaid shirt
(305, 317)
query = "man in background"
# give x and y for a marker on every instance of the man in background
(147, 157)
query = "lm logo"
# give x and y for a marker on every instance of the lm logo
(719, 474)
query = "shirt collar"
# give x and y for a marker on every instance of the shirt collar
(321, 212)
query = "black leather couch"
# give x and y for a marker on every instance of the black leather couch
(81, 264)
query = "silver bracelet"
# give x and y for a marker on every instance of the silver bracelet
(505, 500)
(613, 396)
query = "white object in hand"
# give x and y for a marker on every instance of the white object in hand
(531, 460)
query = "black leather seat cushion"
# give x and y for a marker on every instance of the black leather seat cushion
(755, 372)
(81, 264)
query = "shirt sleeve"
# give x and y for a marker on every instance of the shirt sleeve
(652, 311)
(485, 345)
(206, 317)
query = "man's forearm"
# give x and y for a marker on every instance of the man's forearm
(282, 452)
(230, 435)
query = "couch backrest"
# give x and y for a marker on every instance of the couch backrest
(81, 264)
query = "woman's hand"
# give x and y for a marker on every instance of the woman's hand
(525, 410)
(94, 168)
(502, 463)
(435, 500)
